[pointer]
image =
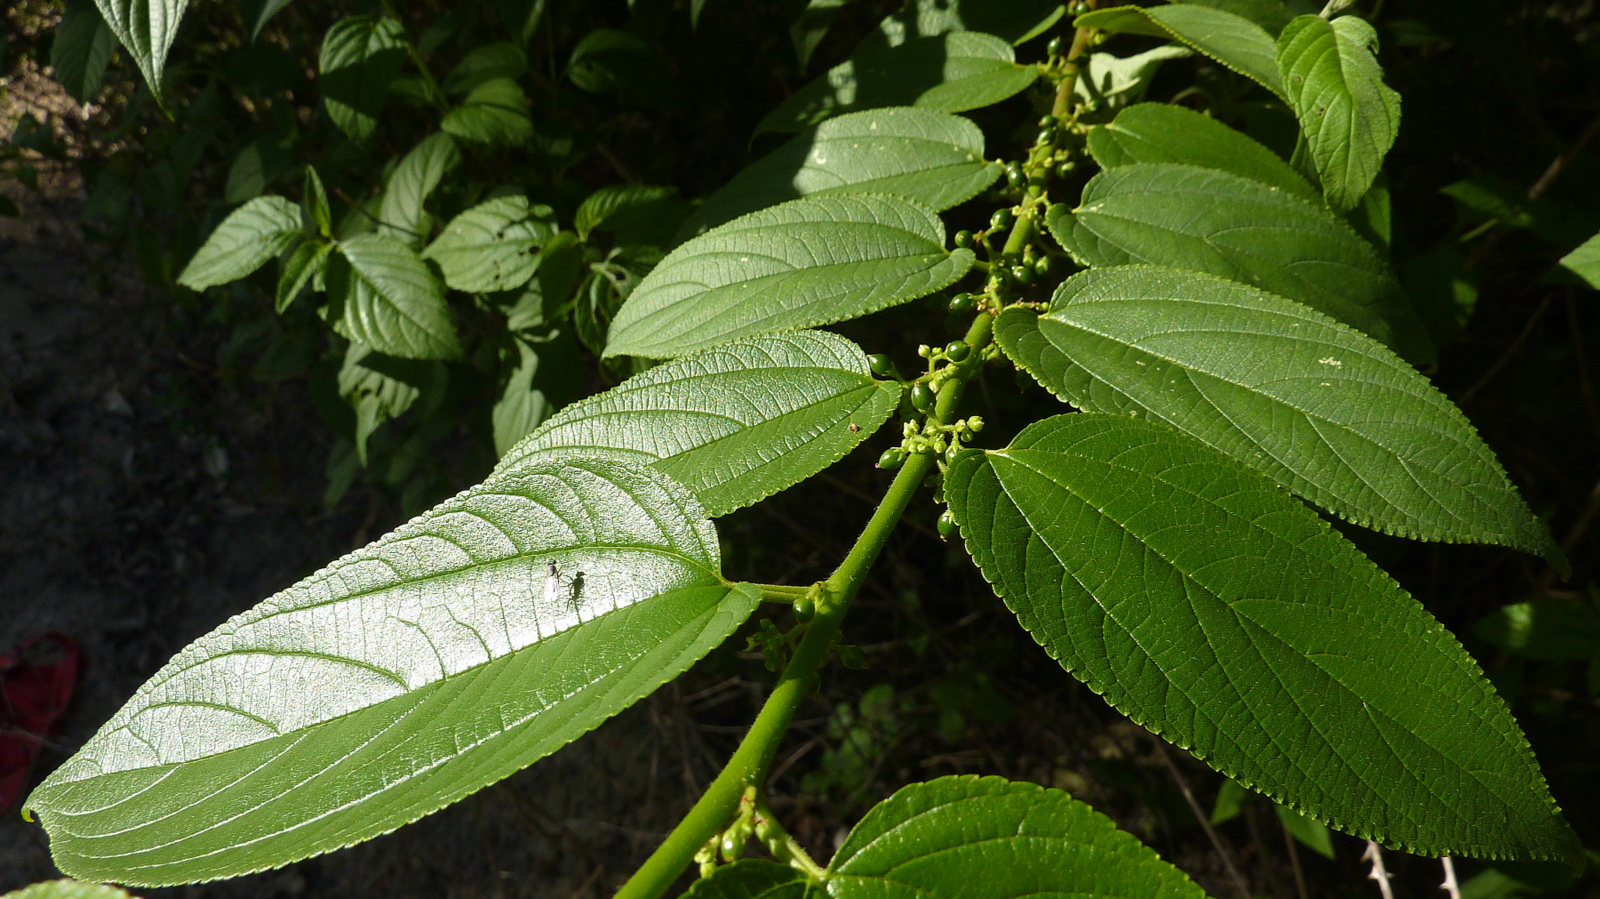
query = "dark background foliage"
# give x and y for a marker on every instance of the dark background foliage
(164, 454)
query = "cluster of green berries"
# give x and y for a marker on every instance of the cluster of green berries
(930, 438)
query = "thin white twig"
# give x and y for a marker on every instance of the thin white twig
(1379, 872)
(1450, 885)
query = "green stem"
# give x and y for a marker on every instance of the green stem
(749, 764)
(782, 593)
(1080, 45)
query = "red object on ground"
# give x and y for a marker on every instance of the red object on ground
(35, 686)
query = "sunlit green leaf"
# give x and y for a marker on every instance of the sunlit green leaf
(1160, 132)
(805, 263)
(1335, 86)
(246, 239)
(951, 72)
(1271, 15)
(361, 55)
(146, 28)
(494, 245)
(1230, 39)
(1209, 606)
(465, 645)
(494, 114)
(1585, 261)
(925, 155)
(382, 295)
(1214, 221)
(1113, 82)
(1311, 833)
(81, 50)
(988, 838)
(419, 172)
(1317, 407)
(736, 423)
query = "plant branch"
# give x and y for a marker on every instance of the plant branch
(1378, 873)
(751, 761)
(1239, 883)
(1450, 884)
(1080, 44)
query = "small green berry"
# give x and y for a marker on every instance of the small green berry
(1042, 266)
(1014, 176)
(1023, 274)
(881, 365)
(1049, 121)
(947, 525)
(805, 608)
(892, 458)
(956, 350)
(922, 398)
(1054, 47)
(961, 303)
(733, 845)
(851, 656)
(964, 239)
(1001, 220)
(1066, 170)
(1045, 137)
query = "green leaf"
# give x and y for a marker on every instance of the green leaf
(1231, 801)
(308, 260)
(1111, 82)
(315, 215)
(540, 375)
(1546, 630)
(1014, 21)
(922, 154)
(81, 50)
(382, 295)
(1232, 40)
(1313, 834)
(361, 55)
(1323, 410)
(548, 298)
(246, 239)
(1159, 132)
(147, 29)
(495, 114)
(988, 838)
(753, 878)
(811, 26)
(380, 388)
(1271, 15)
(257, 165)
(478, 638)
(951, 73)
(501, 59)
(1207, 605)
(1335, 86)
(493, 245)
(256, 14)
(1585, 261)
(608, 61)
(736, 423)
(804, 263)
(613, 199)
(1214, 221)
(416, 176)
(68, 889)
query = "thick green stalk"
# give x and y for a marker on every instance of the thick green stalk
(749, 764)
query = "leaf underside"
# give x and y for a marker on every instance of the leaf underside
(1207, 605)
(808, 262)
(1317, 407)
(146, 28)
(449, 654)
(735, 423)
